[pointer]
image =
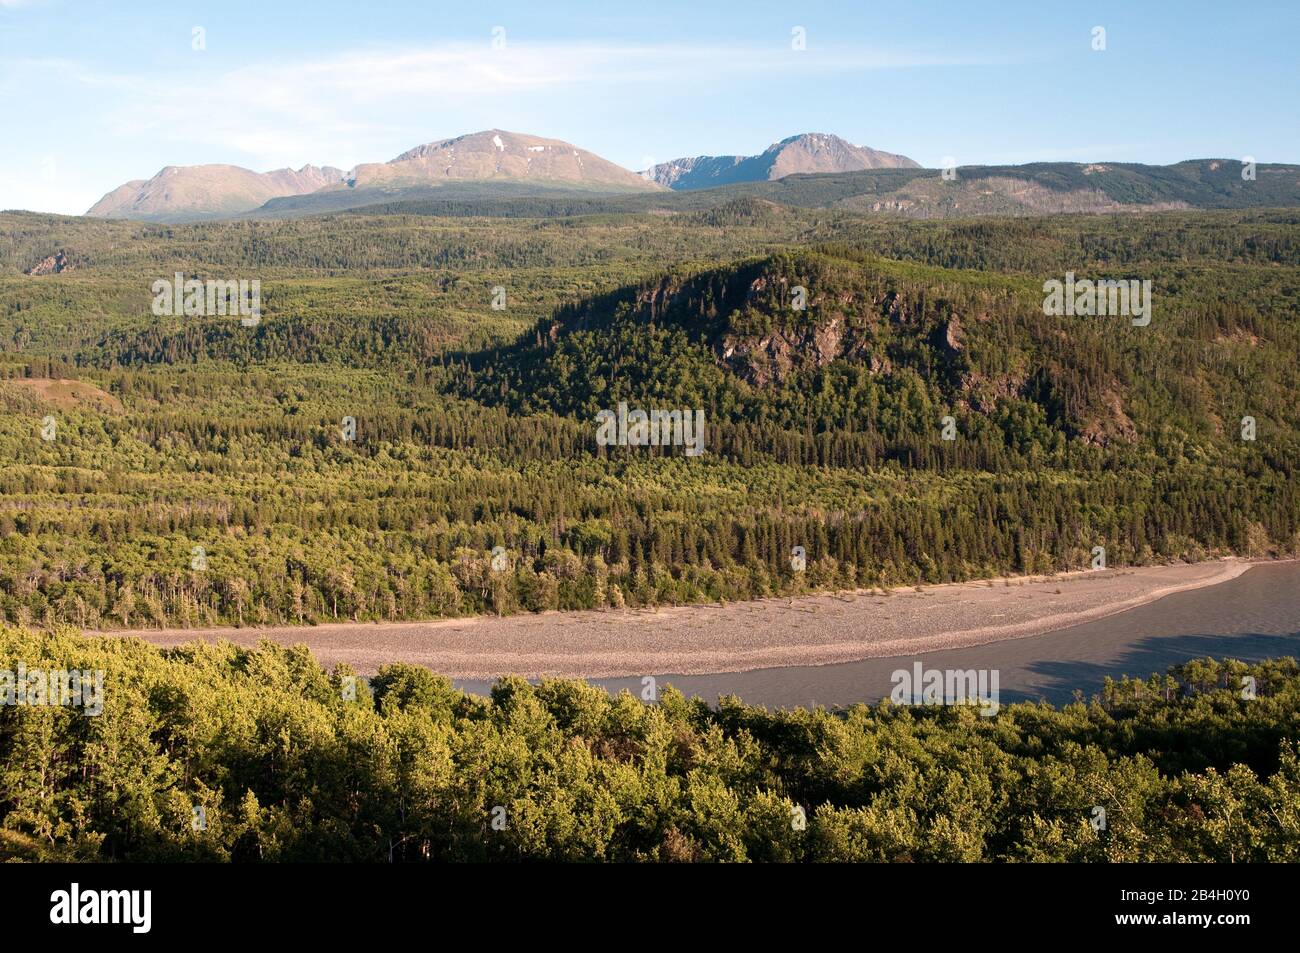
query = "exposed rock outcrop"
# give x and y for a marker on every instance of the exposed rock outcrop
(52, 264)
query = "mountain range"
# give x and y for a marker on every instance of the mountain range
(496, 172)
(186, 193)
(809, 152)
(179, 193)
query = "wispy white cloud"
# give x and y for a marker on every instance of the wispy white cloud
(330, 107)
(369, 104)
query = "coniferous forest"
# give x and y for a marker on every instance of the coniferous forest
(266, 747)
(474, 428)
(423, 389)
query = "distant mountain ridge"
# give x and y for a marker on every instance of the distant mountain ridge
(178, 193)
(185, 193)
(810, 152)
(495, 172)
(498, 154)
(1044, 188)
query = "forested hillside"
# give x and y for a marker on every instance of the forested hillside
(285, 762)
(968, 191)
(215, 479)
(885, 348)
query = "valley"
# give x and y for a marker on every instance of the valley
(818, 630)
(572, 434)
(478, 428)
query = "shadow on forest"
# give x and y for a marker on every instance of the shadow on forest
(1151, 654)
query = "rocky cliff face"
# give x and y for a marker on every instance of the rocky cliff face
(51, 265)
(681, 173)
(858, 320)
(745, 317)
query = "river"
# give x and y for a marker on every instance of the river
(1255, 616)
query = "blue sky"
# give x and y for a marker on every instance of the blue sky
(96, 93)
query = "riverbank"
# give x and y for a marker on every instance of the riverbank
(704, 639)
